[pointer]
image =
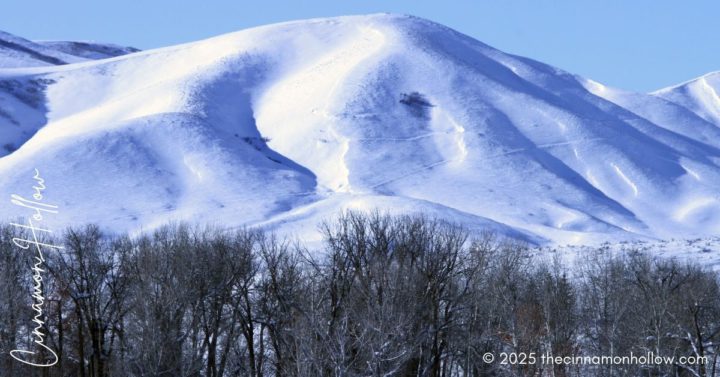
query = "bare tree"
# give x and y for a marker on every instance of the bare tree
(405, 296)
(91, 269)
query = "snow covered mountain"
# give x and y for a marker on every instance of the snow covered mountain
(89, 50)
(284, 125)
(19, 52)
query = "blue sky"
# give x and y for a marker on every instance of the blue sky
(632, 44)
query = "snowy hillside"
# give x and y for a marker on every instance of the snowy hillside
(16, 52)
(702, 96)
(89, 50)
(20, 52)
(284, 125)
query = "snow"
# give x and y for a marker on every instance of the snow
(699, 251)
(699, 96)
(284, 125)
(88, 50)
(17, 52)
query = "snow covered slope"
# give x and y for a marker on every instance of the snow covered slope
(702, 96)
(88, 50)
(284, 125)
(19, 52)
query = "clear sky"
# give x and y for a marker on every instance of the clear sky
(632, 44)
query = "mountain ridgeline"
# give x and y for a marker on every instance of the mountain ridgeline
(284, 125)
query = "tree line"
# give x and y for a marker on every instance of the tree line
(385, 296)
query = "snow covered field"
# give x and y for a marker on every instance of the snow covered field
(284, 125)
(700, 251)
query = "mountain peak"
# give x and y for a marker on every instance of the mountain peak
(700, 95)
(288, 123)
